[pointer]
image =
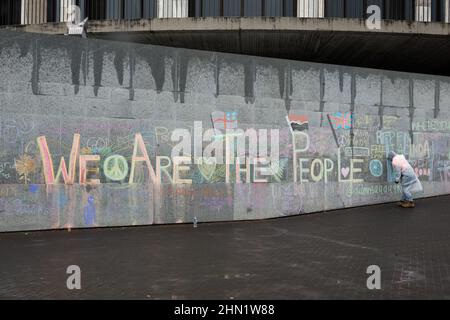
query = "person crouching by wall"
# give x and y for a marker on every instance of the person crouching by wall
(404, 174)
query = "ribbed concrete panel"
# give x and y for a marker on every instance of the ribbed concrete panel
(447, 11)
(114, 9)
(10, 12)
(34, 11)
(232, 8)
(423, 10)
(172, 8)
(310, 8)
(273, 8)
(133, 9)
(150, 10)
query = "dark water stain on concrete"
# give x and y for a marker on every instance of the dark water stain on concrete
(411, 109)
(84, 65)
(437, 92)
(281, 72)
(156, 63)
(352, 109)
(217, 74)
(132, 57)
(289, 88)
(118, 64)
(322, 89)
(341, 80)
(37, 59)
(174, 71)
(76, 54)
(249, 80)
(98, 69)
(183, 62)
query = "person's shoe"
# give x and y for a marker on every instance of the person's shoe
(401, 203)
(408, 204)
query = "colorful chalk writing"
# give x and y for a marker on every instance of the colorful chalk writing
(376, 168)
(89, 212)
(115, 168)
(341, 120)
(224, 120)
(298, 122)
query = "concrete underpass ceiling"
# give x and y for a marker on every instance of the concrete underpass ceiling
(399, 45)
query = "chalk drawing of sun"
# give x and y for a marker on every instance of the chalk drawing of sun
(25, 166)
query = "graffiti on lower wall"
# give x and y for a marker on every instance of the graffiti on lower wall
(304, 153)
(84, 180)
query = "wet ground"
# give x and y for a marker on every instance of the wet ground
(317, 256)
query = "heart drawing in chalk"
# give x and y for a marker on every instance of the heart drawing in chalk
(345, 172)
(207, 168)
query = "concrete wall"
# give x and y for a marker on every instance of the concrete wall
(109, 93)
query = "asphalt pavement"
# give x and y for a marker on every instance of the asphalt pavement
(316, 256)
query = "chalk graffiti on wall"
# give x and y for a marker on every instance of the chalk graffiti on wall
(444, 171)
(377, 151)
(341, 120)
(224, 120)
(6, 170)
(89, 212)
(129, 160)
(115, 168)
(376, 167)
(372, 190)
(297, 122)
(129, 164)
(105, 154)
(25, 167)
(431, 125)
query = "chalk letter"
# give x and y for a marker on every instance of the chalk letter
(68, 176)
(139, 144)
(177, 168)
(83, 168)
(354, 170)
(296, 135)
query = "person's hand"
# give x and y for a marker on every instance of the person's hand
(397, 181)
